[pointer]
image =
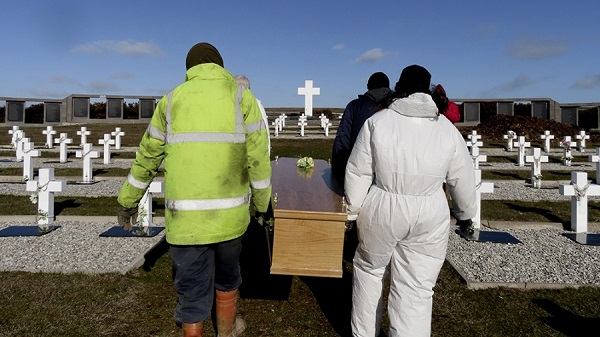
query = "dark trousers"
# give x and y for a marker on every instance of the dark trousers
(200, 269)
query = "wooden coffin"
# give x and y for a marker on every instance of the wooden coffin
(310, 216)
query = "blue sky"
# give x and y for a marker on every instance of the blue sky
(476, 49)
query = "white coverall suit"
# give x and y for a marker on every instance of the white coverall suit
(393, 184)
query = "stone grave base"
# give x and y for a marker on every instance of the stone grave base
(489, 236)
(117, 231)
(27, 230)
(584, 238)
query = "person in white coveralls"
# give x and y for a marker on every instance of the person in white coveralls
(394, 177)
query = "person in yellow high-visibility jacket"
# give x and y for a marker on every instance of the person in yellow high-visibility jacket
(210, 134)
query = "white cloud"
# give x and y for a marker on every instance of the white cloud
(128, 47)
(588, 83)
(519, 82)
(371, 55)
(101, 86)
(338, 46)
(527, 47)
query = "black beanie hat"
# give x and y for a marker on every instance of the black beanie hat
(378, 80)
(203, 53)
(413, 79)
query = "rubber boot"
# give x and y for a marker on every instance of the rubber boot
(193, 329)
(229, 324)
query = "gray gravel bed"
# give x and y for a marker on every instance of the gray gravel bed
(75, 247)
(544, 257)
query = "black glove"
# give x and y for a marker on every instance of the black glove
(466, 227)
(350, 224)
(127, 217)
(263, 218)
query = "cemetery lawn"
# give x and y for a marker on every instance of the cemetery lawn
(141, 303)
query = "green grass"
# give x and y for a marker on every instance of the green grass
(141, 303)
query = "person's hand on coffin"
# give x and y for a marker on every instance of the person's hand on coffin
(264, 218)
(127, 217)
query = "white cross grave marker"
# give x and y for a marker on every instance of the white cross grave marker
(566, 144)
(15, 135)
(474, 139)
(84, 133)
(480, 187)
(521, 144)
(282, 117)
(327, 126)
(581, 138)
(118, 134)
(276, 125)
(322, 118)
(476, 157)
(87, 154)
(45, 187)
(547, 137)
(145, 205)
(308, 91)
(536, 159)
(596, 159)
(28, 154)
(19, 140)
(509, 136)
(62, 146)
(106, 142)
(302, 123)
(49, 132)
(579, 189)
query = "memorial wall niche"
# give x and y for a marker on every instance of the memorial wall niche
(471, 112)
(81, 107)
(540, 110)
(52, 112)
(505, 108)
(569, 115)
(114, 107)
(147, 108)
(15, 111)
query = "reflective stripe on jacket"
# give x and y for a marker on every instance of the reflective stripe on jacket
(210, 133)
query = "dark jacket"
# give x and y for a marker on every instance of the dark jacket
(355, 115)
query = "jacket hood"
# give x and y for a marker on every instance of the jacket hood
(207, 71)
(377, 94)
(416, 105)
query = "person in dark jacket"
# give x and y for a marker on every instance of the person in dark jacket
(355, 115)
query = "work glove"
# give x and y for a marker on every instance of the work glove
(350, 224)
(466, 227)
(263, 218)
(127, 217)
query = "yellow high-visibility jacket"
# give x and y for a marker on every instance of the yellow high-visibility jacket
(211, 135)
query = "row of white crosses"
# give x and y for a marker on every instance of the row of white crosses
(325, 124)
(26, 151)
(45, 187)
(279, 124)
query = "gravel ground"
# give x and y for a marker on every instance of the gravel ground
(545, 258)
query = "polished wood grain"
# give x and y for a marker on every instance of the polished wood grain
(305, 190)
(310, 220)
